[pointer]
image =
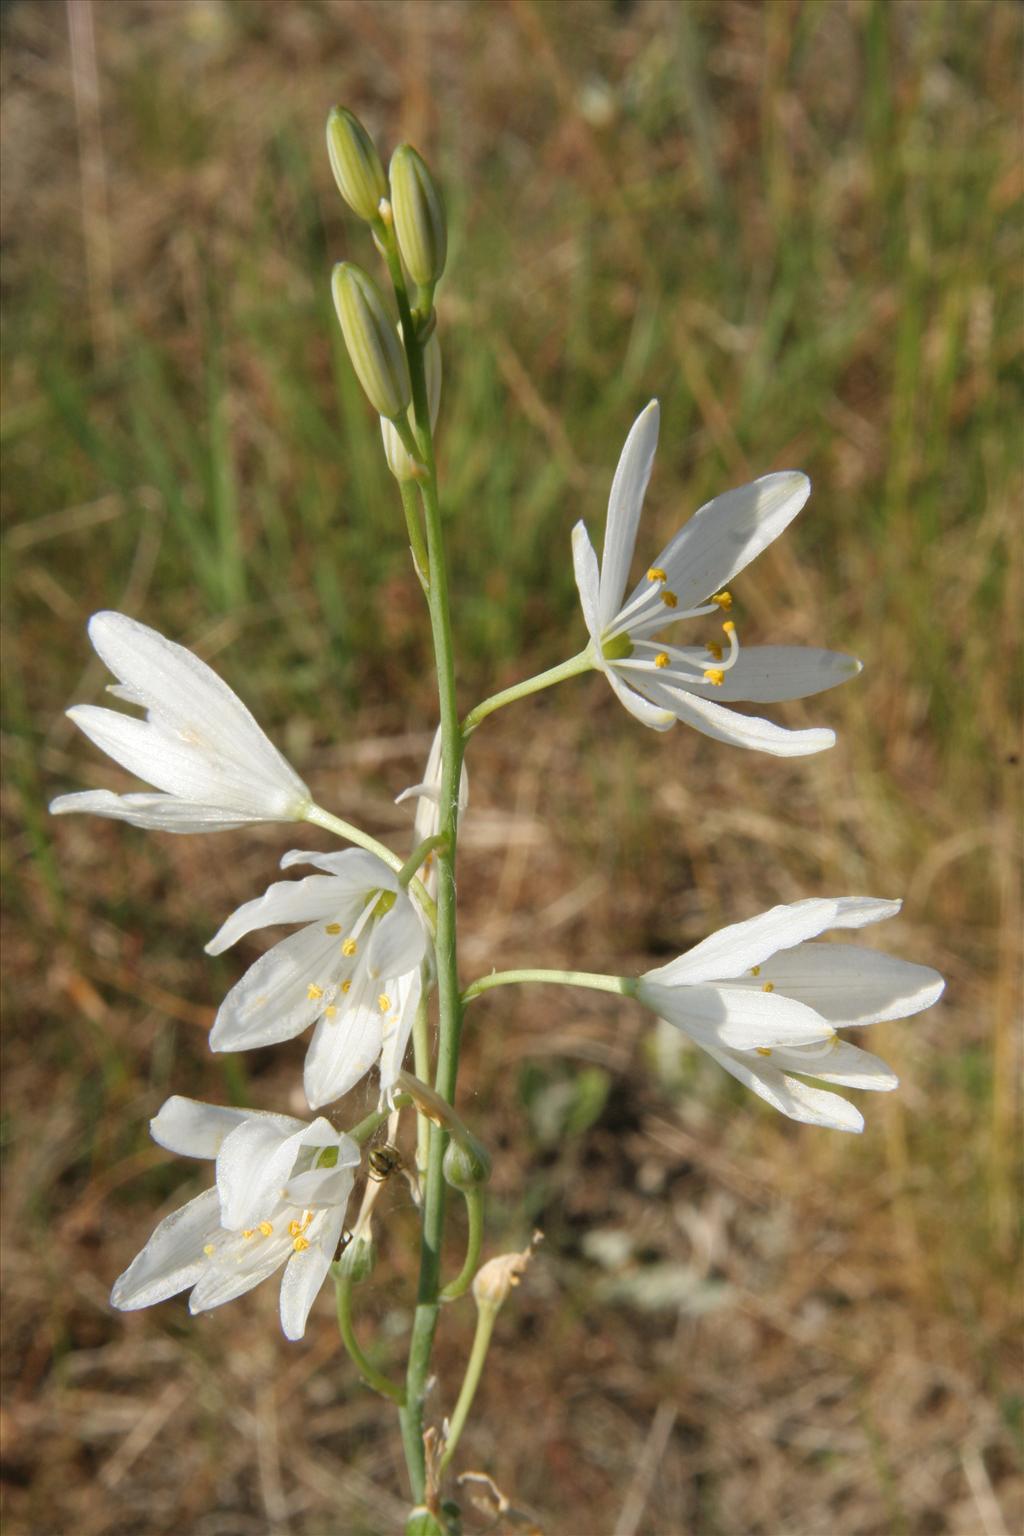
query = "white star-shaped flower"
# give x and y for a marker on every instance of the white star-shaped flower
(354, 970)
(198, 744)
(660, 683)
(280, 1197)
(765, 1003)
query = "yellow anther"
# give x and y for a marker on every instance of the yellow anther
(670, 600)
(209, 1248)
(769, 986)
(714, 675)
(729, 627)
(313, 992)
(656, 574)
(300, 1244)
(266, 1228)
(714, 649)
(661, 660)
(763, 1050)
(383, 1002)
(346, 985)
(330, 1011)
(349, 947)
(723, 599)
(755, 970)
(333, 928)
(248, 1233)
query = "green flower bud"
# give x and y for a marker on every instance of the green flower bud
(399, 462)
(419, 216)
(372, 342)
(356, 164)
(357, 1261)
(466, 1164)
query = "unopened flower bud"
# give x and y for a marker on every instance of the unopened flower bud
(497, 1277)
(357, 1261)
(355, 162)
(467, 1164)
(371, 339)
(418, 210)
(401, 465)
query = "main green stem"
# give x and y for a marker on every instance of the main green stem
(449, 999)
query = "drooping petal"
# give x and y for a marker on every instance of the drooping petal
(281, 994)
(769, 674)
(345, 1044)
(173, 1259)
(838, 1062)
(241, 1260)
(287, 901)
(734, 1017)
(722, 724)
(397, 1028)
(652, 715)
(735, 949)
(851, 986)
(584, 563)
(791, 1097)
(727, 533)
(159, 813)
(625, 503)
(859, 911)
(193, 1129)
(306, 1271)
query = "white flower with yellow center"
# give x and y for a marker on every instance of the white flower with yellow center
(280, 1197)
(354, 971)
(660, 683)
(764, 1002)
(198, 744)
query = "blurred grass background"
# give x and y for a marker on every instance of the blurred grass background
(798, 224)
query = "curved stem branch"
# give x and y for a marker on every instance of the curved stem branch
(565, 669)
(624, 985)
(474, 1240)
(474, 1370)
(369, 1372)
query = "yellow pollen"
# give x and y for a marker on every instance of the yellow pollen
(729, 627)
(670, 600)
(300, 1244)
(294, 1228)
(661, 660)
(723, 599)
(349, 947)
(755, 970)
(333, 928)
(769, 986)
(266, 1228)
(763, 1050)
(656, 574)
(330, 1011)
(346, 986)
(313, 992)
(248, 1233)
(714, 649)
(383, 1002)
(208, 1249)
(714, 675)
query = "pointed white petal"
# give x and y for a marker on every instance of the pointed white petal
(721, 724)
(768, 674)
(726, 534)
(652, 715)
(398, 1028)
(356, 870)
(173, 1258)
(398, 941)
(790, 1097)
(734, 1017)
(193, 1129)
(272, 1001)
(859, 911)
(253, 1166)
(733, 950)
(584, 563)
(241, 1262)
(851, 986)
(344, 1046)
(287, 901)
(625, 503)
(305, 1272)
(838, 1062)
(160, 813)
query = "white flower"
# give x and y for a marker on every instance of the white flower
(280, 1197)
(659, 683)
(198, 744)
(764, 1002)
(354, 971)
(427, 820)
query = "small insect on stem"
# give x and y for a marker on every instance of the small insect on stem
(384, 1161)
